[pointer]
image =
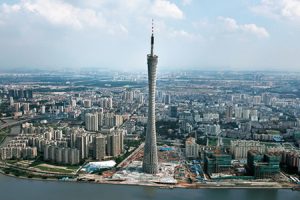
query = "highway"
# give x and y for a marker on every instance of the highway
(6, 125)
(13, 123)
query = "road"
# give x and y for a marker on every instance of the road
(16, 130)
(6, 125)
(122, 164)
(14, 122)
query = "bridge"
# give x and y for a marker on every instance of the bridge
(6, 125)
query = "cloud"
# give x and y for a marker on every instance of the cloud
(96, 14)
(185, 34)
(256, 30)
(58, 13)
(166, 9)
(10, 8)
(232, 25)
(229, 23)
(286, 9)
(186, 2)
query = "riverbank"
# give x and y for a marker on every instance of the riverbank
(211, 185)
(15, 188)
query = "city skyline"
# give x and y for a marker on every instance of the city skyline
(83, 99)
(194, 130)
(236, 35)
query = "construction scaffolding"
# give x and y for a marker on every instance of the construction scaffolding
(263, 166)
(216, 162)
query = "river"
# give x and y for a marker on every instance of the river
(15, 189)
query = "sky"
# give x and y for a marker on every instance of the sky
(115, 34)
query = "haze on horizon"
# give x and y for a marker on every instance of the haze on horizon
(214, 34)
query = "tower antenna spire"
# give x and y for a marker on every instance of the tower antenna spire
(152, 26)
(152, 38)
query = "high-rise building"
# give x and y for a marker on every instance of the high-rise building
(239, 148)
(214, 129)
(238, 112)
(150, 160)
(21, 93)
(100, 119)
(141, 98)
(82, 145)
(173, 111)
(106, 102)
(267, 98)
(191, 148)
(43, 109)
(246, 114)
(114, 145)
(100, 144)
(91, 121)
(110, 103)
(229, 112)
(58, 155)
(256, 100)
(109, 120)
(87, 103)
(17, 107)
(118, 120)
(26, 107)
(254, 115)
(73, 103)
(128, 96)
(74, 156)
(167, 99)
(216, 162)
(263, 165)
(11, 101)
(65, 156)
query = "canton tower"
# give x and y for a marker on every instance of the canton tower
(150, 161)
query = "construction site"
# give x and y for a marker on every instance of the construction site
(215, 168)
(130, 171)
